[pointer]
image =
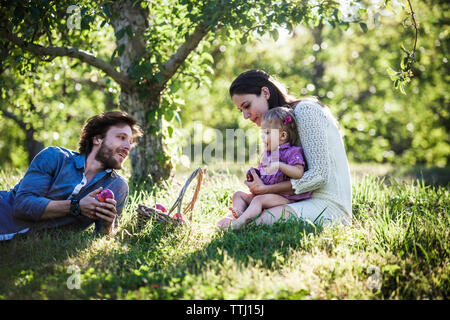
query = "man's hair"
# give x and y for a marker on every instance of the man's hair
(98, 126)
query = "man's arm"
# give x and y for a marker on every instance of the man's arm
(88, 206)
(29, 203)
(56, 209)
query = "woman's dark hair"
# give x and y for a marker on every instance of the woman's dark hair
(251, 82)
(98, 126)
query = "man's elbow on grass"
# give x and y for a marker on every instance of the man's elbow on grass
(29, 207)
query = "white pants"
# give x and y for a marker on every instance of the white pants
(319, 211)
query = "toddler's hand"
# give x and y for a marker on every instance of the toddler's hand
(272, 167)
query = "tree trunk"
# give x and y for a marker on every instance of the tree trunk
(33, 146)
(148, 161)
(319, 68)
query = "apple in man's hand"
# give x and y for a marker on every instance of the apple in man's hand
(105, 194)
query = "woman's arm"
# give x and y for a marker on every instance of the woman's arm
(312, 129)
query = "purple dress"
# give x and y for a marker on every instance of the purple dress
(288, 154)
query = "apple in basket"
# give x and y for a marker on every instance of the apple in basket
(105, 194)
(176, 215)
(249, 174)
(160, 207)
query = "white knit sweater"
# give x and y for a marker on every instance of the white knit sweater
(327, 172)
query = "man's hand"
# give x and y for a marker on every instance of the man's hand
(88, 204)
(108, 213)
(256, 186)
(95, 210)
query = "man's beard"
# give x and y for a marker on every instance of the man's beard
(105, 155)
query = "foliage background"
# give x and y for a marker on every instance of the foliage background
(344, 66)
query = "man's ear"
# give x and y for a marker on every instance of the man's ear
(97, 140)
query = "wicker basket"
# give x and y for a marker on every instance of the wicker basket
(145, 213)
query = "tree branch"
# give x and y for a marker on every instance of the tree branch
(13, 117)
(415, 27)
(38, 50)
(172, 65)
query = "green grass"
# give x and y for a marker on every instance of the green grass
(396, 248)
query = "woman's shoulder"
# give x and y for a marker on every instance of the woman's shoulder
(308, 103)
(309, 109)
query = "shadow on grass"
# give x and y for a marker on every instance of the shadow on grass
(159, 257)
(262, 246)
(29, 258)
(430, 176)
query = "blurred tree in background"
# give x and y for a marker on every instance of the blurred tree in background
(149, 48)
(347, 69)
(344, 64)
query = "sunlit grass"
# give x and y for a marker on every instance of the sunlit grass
(396, 248)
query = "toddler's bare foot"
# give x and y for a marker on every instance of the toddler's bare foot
(235, 212)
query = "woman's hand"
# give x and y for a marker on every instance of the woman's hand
(256, 186)
(225, 223)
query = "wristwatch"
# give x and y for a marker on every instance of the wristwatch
(75, 208)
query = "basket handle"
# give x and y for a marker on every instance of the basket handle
(190, 206)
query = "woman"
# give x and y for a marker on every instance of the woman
(254, 92)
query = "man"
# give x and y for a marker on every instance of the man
(60, 186)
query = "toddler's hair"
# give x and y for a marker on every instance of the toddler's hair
(284, 118)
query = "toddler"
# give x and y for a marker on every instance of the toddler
(282, 160)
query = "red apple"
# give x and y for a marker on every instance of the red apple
(105, 194)
(178, 216)
(249, 175)
(160, 207)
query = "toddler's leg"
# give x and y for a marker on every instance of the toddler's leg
(258, 203)
(241, 201)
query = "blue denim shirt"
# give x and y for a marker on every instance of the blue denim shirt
(54, 174)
